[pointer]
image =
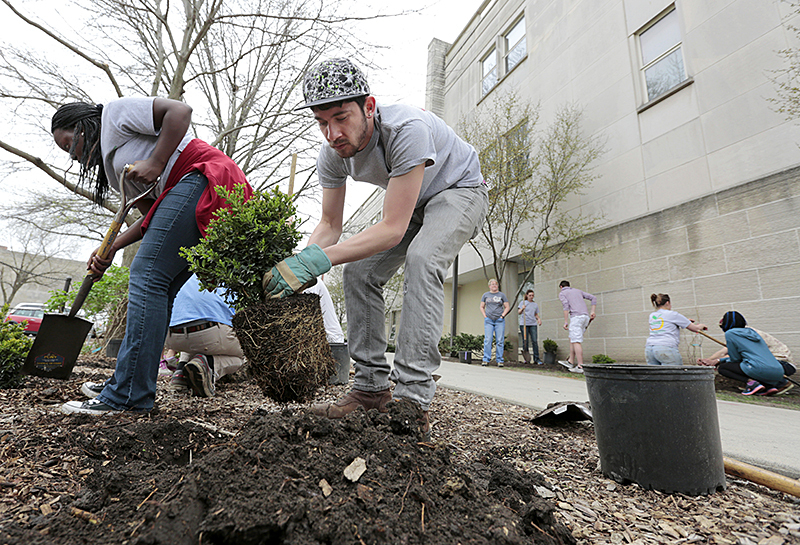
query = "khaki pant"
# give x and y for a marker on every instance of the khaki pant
(218, 341)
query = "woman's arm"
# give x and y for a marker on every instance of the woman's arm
(696, 327)
(172, 118)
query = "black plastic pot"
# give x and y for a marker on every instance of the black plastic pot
(657, 426)
(550, 358)
(112, 348)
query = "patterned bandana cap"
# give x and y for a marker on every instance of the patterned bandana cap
(332, 81)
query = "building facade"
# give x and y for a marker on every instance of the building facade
(35, 275)
(699, 186)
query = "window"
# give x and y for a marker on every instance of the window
(507, 51)
(489, 69)
(662, 60)
(506, 161)
(515, 45)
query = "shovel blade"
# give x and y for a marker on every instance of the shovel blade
(57, 346)
(526, 356)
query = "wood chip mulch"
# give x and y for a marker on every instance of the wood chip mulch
(43, 467)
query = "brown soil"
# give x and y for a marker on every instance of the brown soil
(238, 469)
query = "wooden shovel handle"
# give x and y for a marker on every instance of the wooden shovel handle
(704, 334)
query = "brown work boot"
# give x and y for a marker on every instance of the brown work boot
(351, 401)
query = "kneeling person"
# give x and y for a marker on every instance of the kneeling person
(749, 359)
(201, 330)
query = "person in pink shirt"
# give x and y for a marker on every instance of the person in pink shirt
(576, 320)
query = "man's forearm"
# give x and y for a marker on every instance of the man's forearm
(369, 242)
(324, 235)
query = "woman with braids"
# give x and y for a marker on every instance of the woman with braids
(152, 135)
(665, 332)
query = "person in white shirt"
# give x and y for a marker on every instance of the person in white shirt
(665, 325)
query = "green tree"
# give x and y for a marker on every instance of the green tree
(107, 301)
(105, 294)
(531, 172)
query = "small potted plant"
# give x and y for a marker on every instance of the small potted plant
(603, 359)
(550, 349)
(283, 340)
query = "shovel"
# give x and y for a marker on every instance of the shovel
(526, 355)
(61, 337)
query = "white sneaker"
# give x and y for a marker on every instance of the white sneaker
(92, 407)
(566, 364)
(576, 369)
(167, 366)
(92, 389)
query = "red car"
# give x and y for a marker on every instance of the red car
(29, 314)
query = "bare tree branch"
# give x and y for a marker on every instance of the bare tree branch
(101, 65)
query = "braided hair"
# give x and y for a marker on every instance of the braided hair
(84, 119)
(732, 319)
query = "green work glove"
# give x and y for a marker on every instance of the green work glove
(295, 273)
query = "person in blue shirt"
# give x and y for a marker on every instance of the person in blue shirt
(749, 359)
(201, 330)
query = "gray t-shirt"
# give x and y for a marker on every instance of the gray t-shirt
(405, 137)
(494, 304)
(128, 135)
(529, 314)
(665, 326)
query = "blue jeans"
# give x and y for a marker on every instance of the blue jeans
(530, 338)
(662, 355)
(436, 233)
(497, 329)
(157, 273)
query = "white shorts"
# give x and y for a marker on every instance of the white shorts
(577, 325)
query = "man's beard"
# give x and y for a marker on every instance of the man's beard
(351, 149)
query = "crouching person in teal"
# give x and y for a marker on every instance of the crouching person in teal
(749, 359)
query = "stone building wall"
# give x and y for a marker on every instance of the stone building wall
(737, 249)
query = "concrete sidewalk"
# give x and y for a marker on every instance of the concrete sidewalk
(766, 437)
